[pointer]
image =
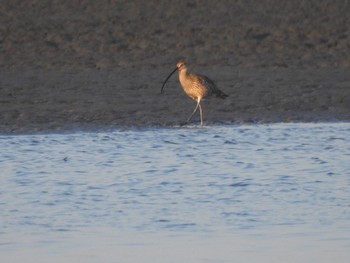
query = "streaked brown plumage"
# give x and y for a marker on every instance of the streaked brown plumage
(195, 86)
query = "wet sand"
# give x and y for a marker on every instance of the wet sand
(100, 65)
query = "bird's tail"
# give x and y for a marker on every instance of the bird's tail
(220, 94)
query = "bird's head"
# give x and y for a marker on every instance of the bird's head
(181, 65)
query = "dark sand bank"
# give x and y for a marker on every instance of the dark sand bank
(84, 64)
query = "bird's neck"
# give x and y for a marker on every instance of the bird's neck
(182, 74)
(184, 79)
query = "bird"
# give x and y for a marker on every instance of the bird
(196, 86)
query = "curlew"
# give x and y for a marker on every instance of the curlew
(196, 86)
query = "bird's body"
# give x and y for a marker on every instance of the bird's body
(196, 86)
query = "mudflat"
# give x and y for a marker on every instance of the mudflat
(100, 64)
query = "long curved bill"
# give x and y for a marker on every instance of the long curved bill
(167, 79)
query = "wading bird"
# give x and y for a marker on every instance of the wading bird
(195, 86)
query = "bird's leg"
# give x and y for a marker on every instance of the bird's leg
(200, 111)
(195, 109)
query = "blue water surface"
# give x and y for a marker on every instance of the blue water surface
(237, 193)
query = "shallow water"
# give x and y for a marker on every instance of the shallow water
(255, 193)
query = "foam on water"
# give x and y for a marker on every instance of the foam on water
(255, 193)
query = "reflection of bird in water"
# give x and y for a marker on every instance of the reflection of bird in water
(196, 86)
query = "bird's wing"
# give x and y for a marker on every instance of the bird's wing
(213, 89)
(205, 81)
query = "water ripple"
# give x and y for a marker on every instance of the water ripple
(255, 180)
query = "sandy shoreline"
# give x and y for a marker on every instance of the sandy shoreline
(40, 100)
(86, 65)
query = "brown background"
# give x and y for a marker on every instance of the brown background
(100, 64)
